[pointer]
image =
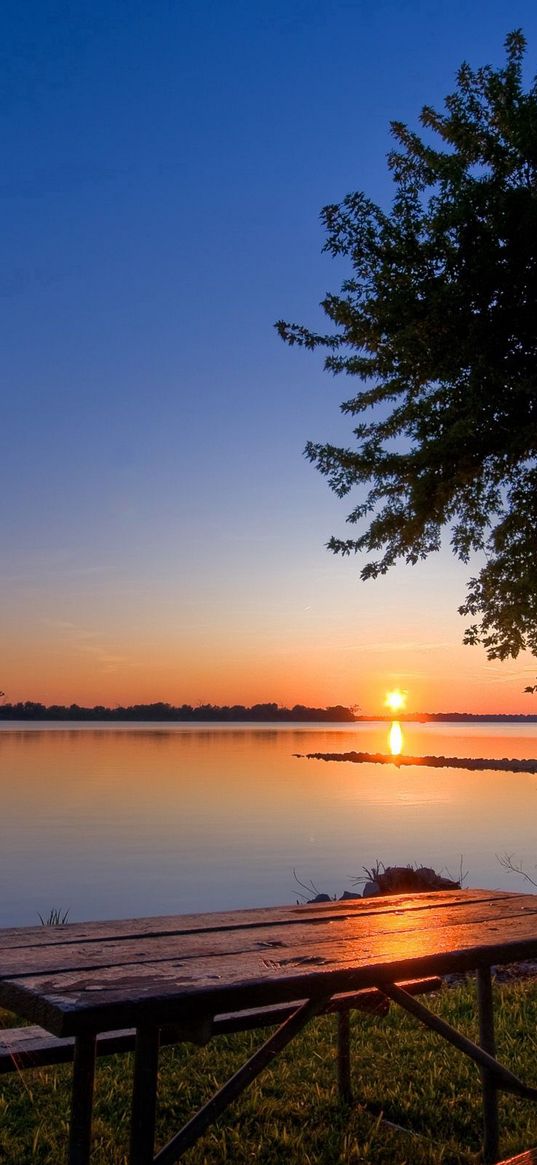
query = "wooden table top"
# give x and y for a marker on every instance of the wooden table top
(101, 976)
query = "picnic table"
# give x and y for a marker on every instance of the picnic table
(81, 980)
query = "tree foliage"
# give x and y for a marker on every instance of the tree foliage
(438, 320)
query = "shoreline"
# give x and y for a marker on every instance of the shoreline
(503, 765)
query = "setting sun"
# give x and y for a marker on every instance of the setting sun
(395, 700)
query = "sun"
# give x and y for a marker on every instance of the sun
(395, 700)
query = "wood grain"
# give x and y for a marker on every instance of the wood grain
(529, 1158)
(42, 936)
(108, 976)
(32, 1047)
(280, 938)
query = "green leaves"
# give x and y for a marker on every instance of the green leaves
(437, 320)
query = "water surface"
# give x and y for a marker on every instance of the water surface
(134, 819)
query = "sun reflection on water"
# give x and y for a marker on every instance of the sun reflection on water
(395, 739)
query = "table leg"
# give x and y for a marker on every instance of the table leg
(505, 1079)
(264, 1056)
(82, 1100)
(144, 1096)
(344, 1057)
(487, 1041)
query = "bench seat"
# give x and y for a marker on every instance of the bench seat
(33, 1047)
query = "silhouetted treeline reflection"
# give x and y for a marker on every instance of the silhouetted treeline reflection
(29, 710)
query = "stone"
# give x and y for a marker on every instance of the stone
(371, 890)
(406, 879)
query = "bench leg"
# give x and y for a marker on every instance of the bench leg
(487, 1041)
(144, 1096)
(344, 1057)
(82, 1100)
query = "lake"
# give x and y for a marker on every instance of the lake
(133, 819)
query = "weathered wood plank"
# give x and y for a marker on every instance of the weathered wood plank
(347, 957)
(529, 1158)
(144, 1096)
(86, 957)
(33, 1047)
(182, 972)
(83, 1084)
(160, 926)
(487, 1040)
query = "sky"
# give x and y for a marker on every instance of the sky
(163, 536)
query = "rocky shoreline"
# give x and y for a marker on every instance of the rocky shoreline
(505, 765)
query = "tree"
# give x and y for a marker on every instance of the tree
(438, 320)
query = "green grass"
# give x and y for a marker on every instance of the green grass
(292, 1113)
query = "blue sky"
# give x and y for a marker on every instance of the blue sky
(164, 168)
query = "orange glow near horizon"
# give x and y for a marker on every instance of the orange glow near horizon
(395, 700)
(59, 663)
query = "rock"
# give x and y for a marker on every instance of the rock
(372, 890)
(395, 880)
(405, 879)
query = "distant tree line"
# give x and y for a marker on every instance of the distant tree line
(29, 710)
(454, 717)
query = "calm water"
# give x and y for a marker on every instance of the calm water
(148, 819)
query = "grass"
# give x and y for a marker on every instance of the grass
(55, 917)
(292, 1113)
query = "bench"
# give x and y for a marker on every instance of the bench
(97, 982)
(529, 1158)
(33, 1047)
